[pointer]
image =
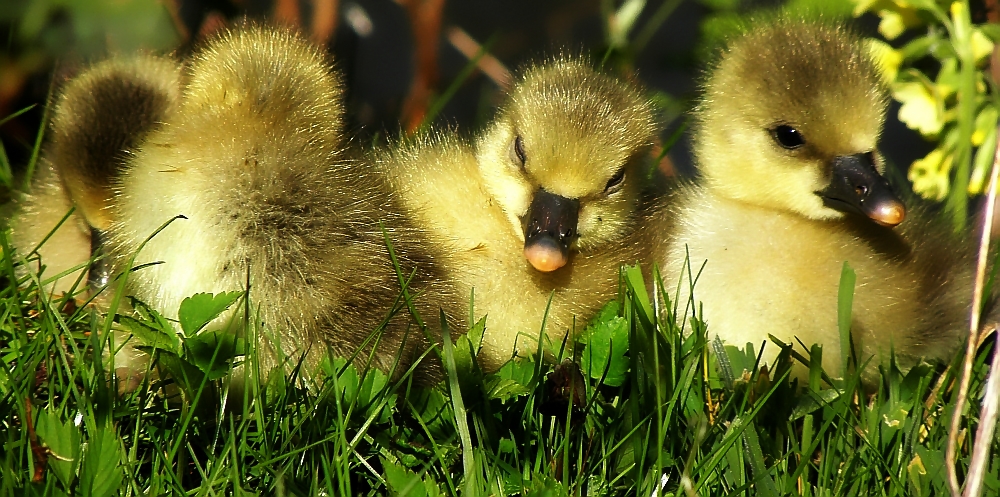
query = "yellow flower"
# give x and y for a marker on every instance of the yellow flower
(919, 109)
(982, 47)
(888, 59)
(897, 15)
(930, 174)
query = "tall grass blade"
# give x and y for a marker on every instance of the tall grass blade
(461, 415)
(845, 313)
(456, 83)
(36, 149)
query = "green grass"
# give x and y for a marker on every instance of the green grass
(644, 406)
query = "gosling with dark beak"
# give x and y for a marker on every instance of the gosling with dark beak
(858, 187)
(554, 179)
(792, 188)
(549, 230)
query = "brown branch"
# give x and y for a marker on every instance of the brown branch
(992, 10)
(982, 441)
(212, 23)
(987, 425)
(324, 20)
(971, 345)
(286, 12)
(488, 64)
(425, 22)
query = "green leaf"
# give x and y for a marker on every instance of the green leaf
(150, 336)
(372, 390)
(920, 47)
(504, 390)
(433, 408)
(982, 162)
(6, 175)
(63, 440)
(188, 377)
(932, 459)
(991, 30)
(348, 381)
(928, 5)
(201, 308)
(101, 475)
(740, 361)
(812, 401)
(721, 4)
(916, 471)
(607, 344)
(543, 485)
(762, 478)
(402, 481)
(470, 376)
(637, 287)
(149, 315)
(516, 378)
(476, 333)
(610, 311)
(213, 352)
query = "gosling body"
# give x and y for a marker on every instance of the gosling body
(257, 162)
(538, 207)
(791, 188)
(99, 117)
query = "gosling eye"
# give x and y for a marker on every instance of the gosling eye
(615, 183)
(517, 152)
(787, 136)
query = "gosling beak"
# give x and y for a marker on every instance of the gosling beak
(549, 230)
(858, 187)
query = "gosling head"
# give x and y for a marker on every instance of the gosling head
(562, 158)
(790, 120)
(294, 86)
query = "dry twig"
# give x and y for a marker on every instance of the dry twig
(973, 341)
(425, 21)
(324, 21)
(488, 64)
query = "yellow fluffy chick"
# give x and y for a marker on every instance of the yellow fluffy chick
(255, 159)
(538, 206)
(791, 187)
(99, 117)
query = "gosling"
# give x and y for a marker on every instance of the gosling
(791, 187)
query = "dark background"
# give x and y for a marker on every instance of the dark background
(380, 65)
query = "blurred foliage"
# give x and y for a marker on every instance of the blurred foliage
(728, 16)
(932, 53)
(50, 28)
(936, 72)
(38, 33)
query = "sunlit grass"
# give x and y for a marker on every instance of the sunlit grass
(662, 415)
(646, 405)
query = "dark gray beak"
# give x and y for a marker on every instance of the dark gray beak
(549, 230)
(857, 186)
